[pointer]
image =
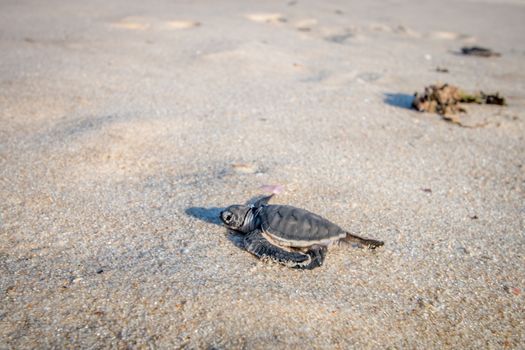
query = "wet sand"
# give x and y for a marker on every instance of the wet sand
(126, 126)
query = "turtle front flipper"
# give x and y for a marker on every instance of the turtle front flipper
(255, 243)
(317, 254)
(262, 201)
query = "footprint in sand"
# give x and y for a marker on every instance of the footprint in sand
(305, 25)
(404, 30)
(144, 23)
(443, 35)
(338, 38)
(309, 24)
(338, 35)
(132, 23)
(181, 24)
(273, 18)
(399, 29)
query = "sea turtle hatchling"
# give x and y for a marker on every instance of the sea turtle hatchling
(288, 235)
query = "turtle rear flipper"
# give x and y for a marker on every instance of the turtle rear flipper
(255, 243)
(363, 242)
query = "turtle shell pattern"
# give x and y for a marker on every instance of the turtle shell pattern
(295, 227)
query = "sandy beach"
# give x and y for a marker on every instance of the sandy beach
(126, 126)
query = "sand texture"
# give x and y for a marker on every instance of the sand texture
(127, 125)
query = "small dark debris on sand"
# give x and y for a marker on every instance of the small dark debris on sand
(512, 290)
(483, 98)
(479, 51)
(441, 70)
(445, 99)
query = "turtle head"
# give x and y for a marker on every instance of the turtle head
(236, 217)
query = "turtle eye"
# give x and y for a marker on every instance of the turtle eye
(227, 217)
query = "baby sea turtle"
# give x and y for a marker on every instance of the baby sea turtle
(288, 235)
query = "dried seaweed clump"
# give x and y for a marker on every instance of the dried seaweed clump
(442, 99)
(445, 99)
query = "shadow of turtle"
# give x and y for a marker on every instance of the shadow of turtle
(399, 100)
(211, 215)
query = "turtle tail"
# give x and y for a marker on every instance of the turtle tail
(362, 242)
